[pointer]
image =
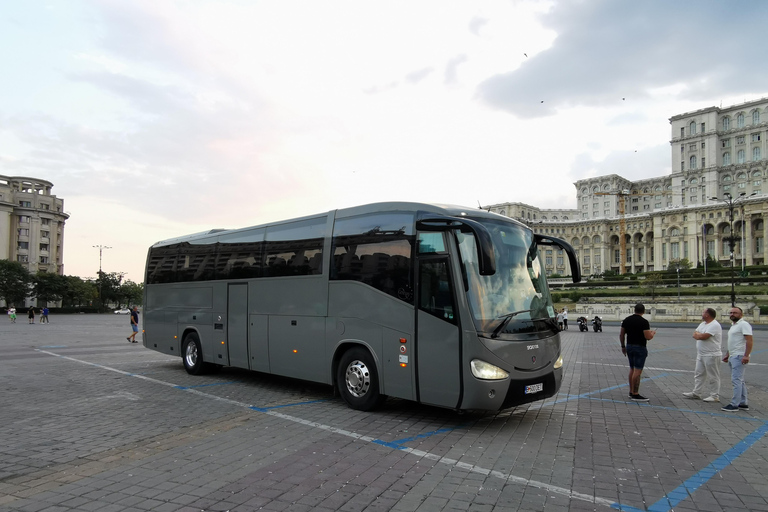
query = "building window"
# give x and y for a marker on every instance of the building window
(740, 140)
(726, 123)
(45, 234)
(692, 128)
(663, 252)
(703, 162)
(23, 219)
(755, 154)
(682, 132)
(45, 222)
(43, 259)
(685, 250)
(741, 157)
(740, 121)
(725, 143)
(755, 137)
(22, 245)
(693, 162)
(710, 247)
(44, 247)
(703, 129)
(726, 158)
(759, 244)
(22, 258)
(617, 256)
(756, 117)
(23, 232)
(674, 249)
(25, 204)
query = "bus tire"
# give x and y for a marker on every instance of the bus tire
(192, 355)
(358, 380)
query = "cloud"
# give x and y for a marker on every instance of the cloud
(476, 24)
(451, 67)
(607, 50)
(633, 165)
(418, 75)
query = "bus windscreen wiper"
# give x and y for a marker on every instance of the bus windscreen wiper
(505, 321)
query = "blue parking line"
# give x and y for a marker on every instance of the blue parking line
(206, 385)
(688, 487)
(398, 444)
(587, 395)
(265, 409)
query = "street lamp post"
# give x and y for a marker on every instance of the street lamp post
(678, 282)
(101, 277)
(732, 203)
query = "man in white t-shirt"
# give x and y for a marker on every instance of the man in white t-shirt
(708, 336)
(739, 348)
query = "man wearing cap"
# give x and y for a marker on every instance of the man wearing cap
(739, 348)
(637, 331)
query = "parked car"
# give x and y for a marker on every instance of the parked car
(124, 311)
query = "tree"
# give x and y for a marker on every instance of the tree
(108, 286)
(14, 282)
(79, 292)
(682, 264)
(652, 282)
(131, 293)
(49, 287)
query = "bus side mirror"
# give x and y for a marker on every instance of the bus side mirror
(486, 258)
(572, 259)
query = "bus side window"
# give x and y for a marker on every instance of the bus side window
(435, 292)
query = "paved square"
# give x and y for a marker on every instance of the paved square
(91, 422)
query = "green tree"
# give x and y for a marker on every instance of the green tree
(682, 264)
(652, 283)
(49, 287)
(108, 286)
(131, 293)
(15, 280)
(79, 292)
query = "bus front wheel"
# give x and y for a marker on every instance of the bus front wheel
(192, 354)
(358, 380)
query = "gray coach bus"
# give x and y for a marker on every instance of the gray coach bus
(442, 305)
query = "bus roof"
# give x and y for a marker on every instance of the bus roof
(444, 209)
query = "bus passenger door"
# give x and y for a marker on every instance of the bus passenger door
(438, 341)
(237, 324)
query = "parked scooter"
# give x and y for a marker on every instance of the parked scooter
(582, 323)
(597, 324)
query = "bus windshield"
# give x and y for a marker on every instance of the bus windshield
(517, 294)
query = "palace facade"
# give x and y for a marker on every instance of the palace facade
(719, 163)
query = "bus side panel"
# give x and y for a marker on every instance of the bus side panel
(161, 314)
(258, 342)
(296, 347)
(160, 331)
(358, 312)
(301, 295)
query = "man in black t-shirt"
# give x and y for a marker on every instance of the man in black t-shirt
(637, 332)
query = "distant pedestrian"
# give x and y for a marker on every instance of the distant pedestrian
(739, 348)
(44, 318)
(565, 318)
(560, 320)
(12, 315)
(637, 332)
(708, 336)
(134, 325)
(31, 315)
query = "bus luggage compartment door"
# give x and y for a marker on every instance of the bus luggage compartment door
(237, 325)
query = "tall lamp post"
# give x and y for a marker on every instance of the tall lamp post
(732, 203)
(101, 278)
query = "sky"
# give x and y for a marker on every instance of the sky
(156, 119)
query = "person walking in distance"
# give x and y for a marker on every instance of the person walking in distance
(31, 315)
(565, 318)
(708, 336)
(637, 332)
(134, 325)
(44, 318)
(737, 356)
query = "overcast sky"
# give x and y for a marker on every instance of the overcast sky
(155, 119)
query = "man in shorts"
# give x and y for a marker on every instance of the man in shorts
(637, 331)
(134, 325)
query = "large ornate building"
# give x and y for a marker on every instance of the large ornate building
(31, 224)
(717, 154)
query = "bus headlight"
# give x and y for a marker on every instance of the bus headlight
(487, 371)
(559, 362)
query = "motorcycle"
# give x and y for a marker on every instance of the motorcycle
(582, 324)
(597, 324)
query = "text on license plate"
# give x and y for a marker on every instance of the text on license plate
(534, 388)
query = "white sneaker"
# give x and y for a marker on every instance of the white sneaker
(712, 399)
(691, 395)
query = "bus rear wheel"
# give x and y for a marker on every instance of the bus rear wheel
(358, 380)
(192, 355)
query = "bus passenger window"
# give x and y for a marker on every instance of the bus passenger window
(435, 292)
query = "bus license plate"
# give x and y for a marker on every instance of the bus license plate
(534, 388)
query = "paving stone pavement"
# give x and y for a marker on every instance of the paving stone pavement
(89, 422)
